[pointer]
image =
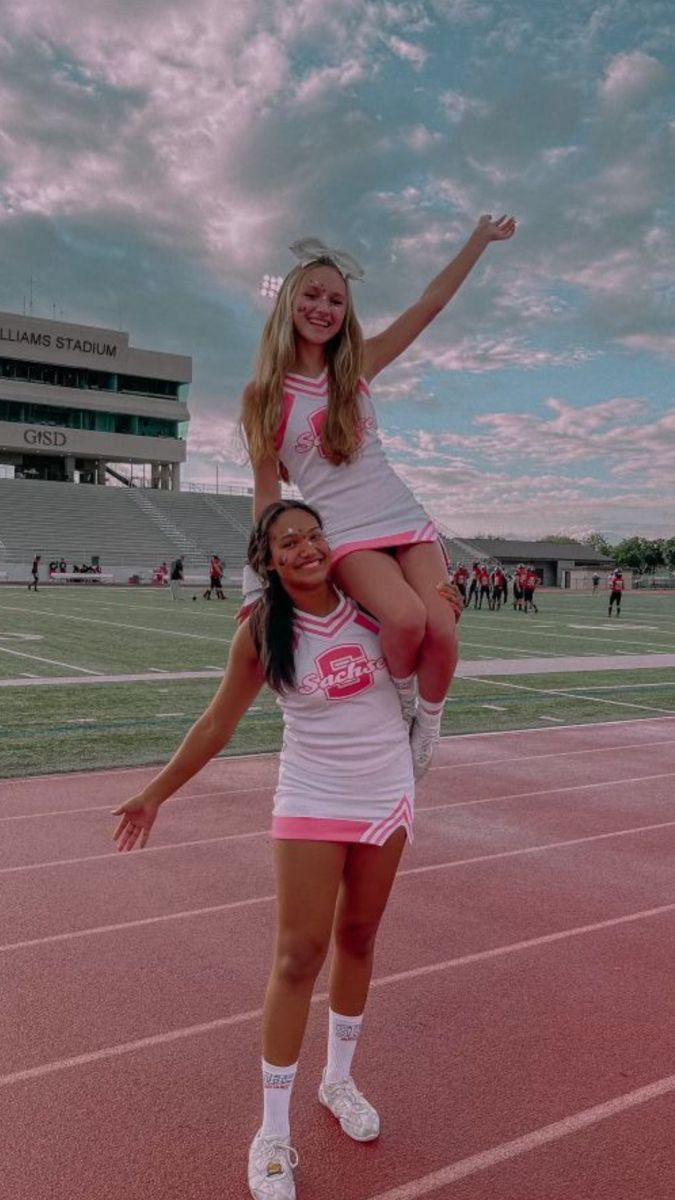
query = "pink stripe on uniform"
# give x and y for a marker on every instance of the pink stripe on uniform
(286, 405)
(402, 815)
(334, 829)
(406, 538)
(319, 829)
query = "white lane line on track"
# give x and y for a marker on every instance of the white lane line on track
(454, 767)
(544, 1136)
(533, 731)
(123, 926)
(176, 1035)
(405, 873)
(521, 687)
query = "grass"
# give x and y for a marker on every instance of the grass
(70, 727)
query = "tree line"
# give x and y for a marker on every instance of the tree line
(645, 555)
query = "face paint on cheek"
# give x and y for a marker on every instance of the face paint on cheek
(283, 559)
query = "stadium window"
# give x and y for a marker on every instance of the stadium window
(140, 386)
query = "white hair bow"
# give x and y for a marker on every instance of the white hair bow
(311, 249)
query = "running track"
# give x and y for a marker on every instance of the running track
(519, 1041)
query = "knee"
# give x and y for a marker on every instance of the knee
(356, 938)
(407, 622)
(441, 637)
(299, 959)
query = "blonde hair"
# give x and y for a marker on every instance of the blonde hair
(261, 408)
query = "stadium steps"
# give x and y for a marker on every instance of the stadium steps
(77, 521)
(460, 550)
(193, 553)
(219, 524)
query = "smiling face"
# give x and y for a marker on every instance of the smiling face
(320, 304)
(299, 552)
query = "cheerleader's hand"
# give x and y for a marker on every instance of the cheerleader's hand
(138, 817)
(496, 231)
(451, 593)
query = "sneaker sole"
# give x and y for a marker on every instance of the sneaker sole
(371, 1137)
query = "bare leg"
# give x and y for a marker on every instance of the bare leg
(424, 568)
(368, 877)
(308, 877)
(375, 580)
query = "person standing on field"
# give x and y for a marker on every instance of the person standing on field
(35, 573)
(616, 591)
(531, 581)
(176, 578)
(215, 578)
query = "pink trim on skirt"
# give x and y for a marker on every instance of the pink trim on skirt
(333, 829)
(407, 537)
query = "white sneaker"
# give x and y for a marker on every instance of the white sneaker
(357, 1117)
(423, 742)
(271, 1162)
(408, 710)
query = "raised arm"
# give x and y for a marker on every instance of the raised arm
(382, 349)
(212, 731)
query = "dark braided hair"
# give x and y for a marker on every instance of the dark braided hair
(271, 622)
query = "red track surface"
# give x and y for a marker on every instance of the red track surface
(519, 1036)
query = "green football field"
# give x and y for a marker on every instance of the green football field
(76, 633)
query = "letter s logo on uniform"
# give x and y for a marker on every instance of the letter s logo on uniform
(344, 671)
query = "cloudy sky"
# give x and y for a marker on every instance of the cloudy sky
(156, 158)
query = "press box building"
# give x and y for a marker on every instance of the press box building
(76, 398)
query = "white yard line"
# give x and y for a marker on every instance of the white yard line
(54, 662)
(507, 649)
(582, 637)
(521, 687)
(201, 637)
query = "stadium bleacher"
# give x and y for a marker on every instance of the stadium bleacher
(131, 529)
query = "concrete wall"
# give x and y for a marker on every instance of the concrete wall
(111, 447)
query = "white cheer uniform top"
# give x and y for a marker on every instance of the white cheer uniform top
(363, 504)
(345, 770)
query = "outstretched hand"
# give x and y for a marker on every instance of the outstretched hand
(496, 231)
(138, 817)
(451, 593)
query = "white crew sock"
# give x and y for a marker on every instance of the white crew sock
(429, 715)
(407, 695)
(277, 1088)
(343, 1034)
